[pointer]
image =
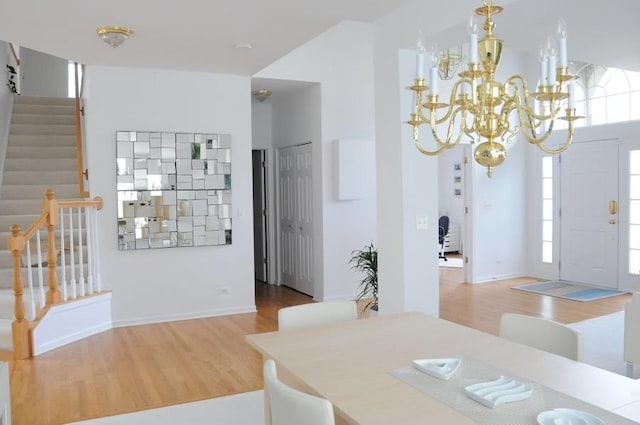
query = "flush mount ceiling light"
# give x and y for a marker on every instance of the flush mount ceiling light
(261, 95)
(113, 35)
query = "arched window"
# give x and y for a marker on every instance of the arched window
(605, 95)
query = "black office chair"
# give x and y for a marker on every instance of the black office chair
(443, 231)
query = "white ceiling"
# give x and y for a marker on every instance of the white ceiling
(201, 35)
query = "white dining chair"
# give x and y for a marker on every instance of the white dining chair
(543, 334)
(288, 406)
(313, 314)
(631, 352)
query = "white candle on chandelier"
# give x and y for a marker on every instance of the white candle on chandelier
(542, 57)
(551, 51)
(419, 58)
(472, 30)
(572, 95)
(561, 33)
(433, 76)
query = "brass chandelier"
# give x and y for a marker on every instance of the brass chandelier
(481, 107)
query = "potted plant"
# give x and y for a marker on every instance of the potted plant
(365, 261)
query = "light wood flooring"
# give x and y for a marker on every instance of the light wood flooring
(143, 367)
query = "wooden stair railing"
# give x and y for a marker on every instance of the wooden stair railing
(52, 217)
(82, 173)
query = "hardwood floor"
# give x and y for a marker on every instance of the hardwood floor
(143, 367)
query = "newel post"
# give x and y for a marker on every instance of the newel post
(20, 326)
(50, 207)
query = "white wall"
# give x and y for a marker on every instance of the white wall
(42, 74)
(175, 283)
(6, 104)
(341, 60)
(499, 203)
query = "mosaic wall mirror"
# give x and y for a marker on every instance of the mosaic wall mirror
(174, 189)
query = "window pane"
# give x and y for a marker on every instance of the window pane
(635, 106)
(547, 167)
(634, 187)
(618, 108)
(547, 231)
(634, 261)
(547, 252)
(634, 162)
(547, 209)
(634, 212)
(547, 188)
(634, 236)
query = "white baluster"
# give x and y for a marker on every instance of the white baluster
(32, 301)
(96, 244)
(88, 230)
(80, 254)
(72, 257)
(63, 260)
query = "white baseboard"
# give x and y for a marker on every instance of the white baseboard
(487, 279)
(187, 316)
(72, 321)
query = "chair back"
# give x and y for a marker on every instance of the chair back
(313, 314)
(443, 228)
(288, 406)
(543, 334)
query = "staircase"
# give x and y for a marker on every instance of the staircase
(41, 154)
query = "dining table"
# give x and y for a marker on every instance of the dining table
(367, 369)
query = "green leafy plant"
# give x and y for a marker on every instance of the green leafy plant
(365, 261)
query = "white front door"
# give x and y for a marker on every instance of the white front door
(589, 232)
(296, 217)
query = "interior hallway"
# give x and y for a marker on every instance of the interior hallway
(142, 367)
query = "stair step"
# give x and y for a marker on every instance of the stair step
(42, 129)
(38, 152)
(51, 177)
(38, 191)
(4, 234)
(42, 119)
(20, 206)
(6, 221)
(52, 164)
(43, 100)
(41, 140)
(6, 276)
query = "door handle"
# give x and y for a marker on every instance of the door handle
(613, 207)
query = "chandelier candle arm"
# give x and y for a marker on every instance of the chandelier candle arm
(480, 107)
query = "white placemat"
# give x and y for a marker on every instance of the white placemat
(524, 412)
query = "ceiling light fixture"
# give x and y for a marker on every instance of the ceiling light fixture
(113, 35)
(261, 95)
(481, 107)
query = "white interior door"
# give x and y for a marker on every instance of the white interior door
(286, 224)
(296, 217)
(589, 233)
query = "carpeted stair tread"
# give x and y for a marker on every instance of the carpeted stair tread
(51, 177)
(41, 140)
(38, 152)
(48, 119)
(35, 129)
(33, 191)
(52, 164)
(43, 100)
